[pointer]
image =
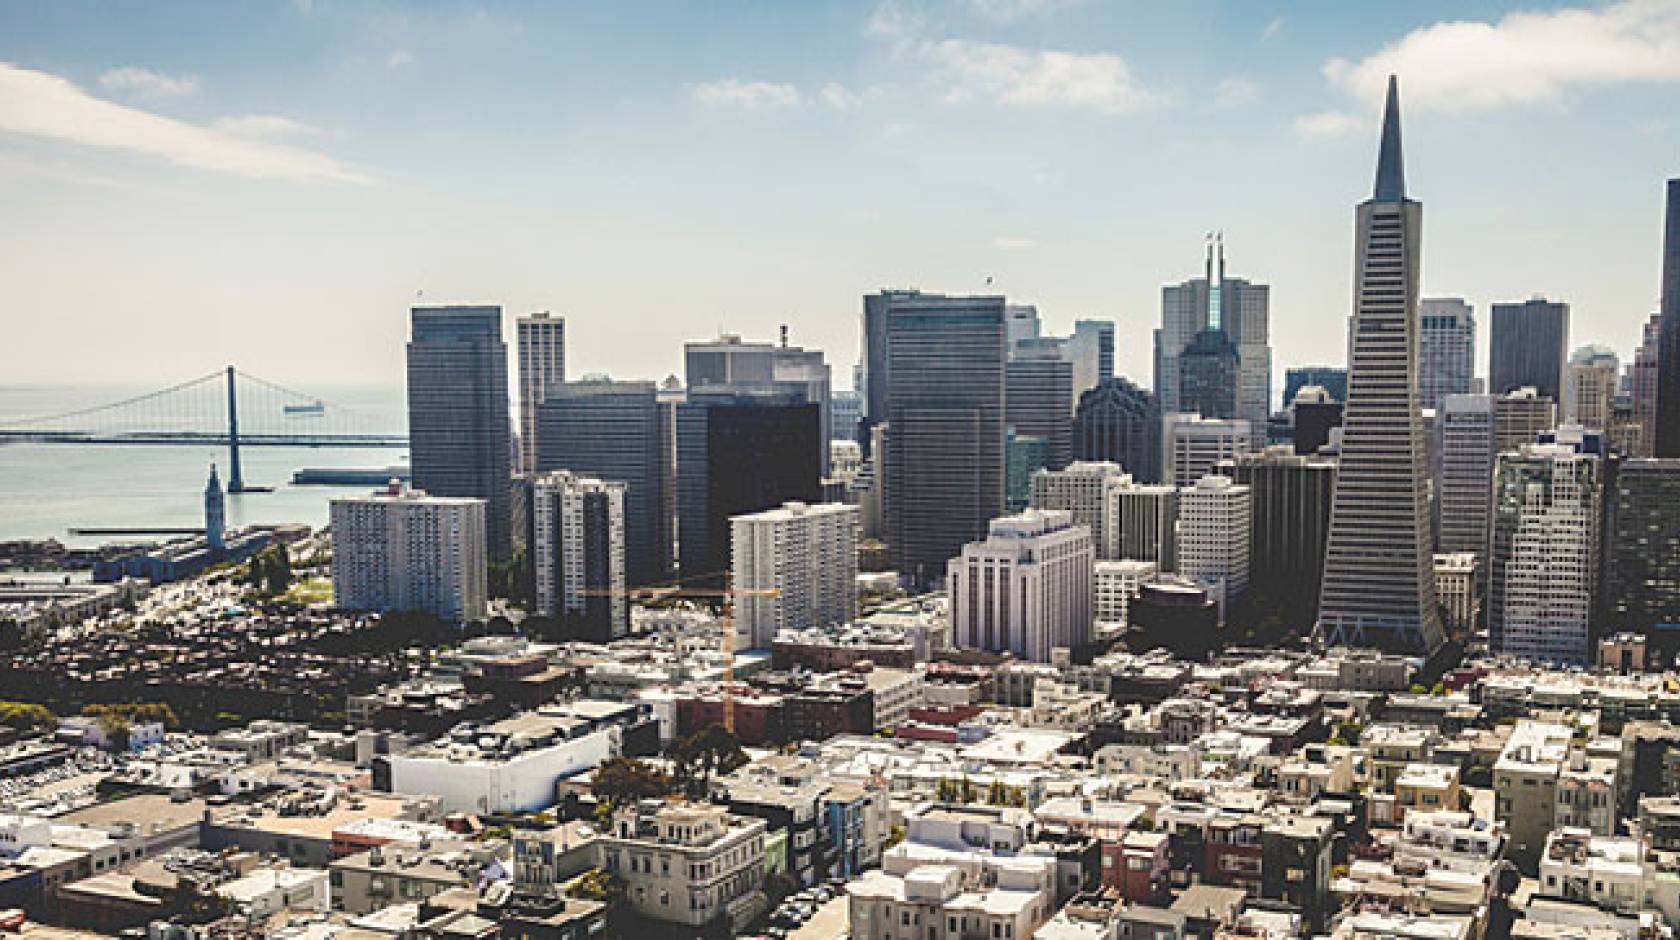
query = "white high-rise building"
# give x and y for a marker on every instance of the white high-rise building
(795, 567)
(1115, 584)
(1593, 374)
(1446, 349)
(1545, 552)
(1026, 589)
(1464, 484)
(1080, 488)
(1140, 522)
(577, 554)
(541, 345)
(1192, 446)
(404, 550)
(1214, 518)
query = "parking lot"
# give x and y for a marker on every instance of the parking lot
(815, 912)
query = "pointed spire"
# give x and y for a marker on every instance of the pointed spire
(1391, 169)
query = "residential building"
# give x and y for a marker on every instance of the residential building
(1081, 489)
(1544, 553)
(541, 343)
(1446, 349)
(690, 865)
(577, 556)
(1594, 372)
(739, 452)
(1643, 544)
(1605, 872)
(1026, 589)
(1378, 587)
(795, 568)
(1529, 347)
(1525, 787)
(1118, 422)
(458, 425)
(1141, 523)
(1192, 446)
(613, 431)
(936, 377)
(1214, 519)
(406, 550)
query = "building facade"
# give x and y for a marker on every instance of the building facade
(1519, 416)
(1291, 498)
(577, 555)
(613, 431)
(1666, 440)
(1446, 349)
(541, 343)
(1544, 553)
(1038, 397)
(1211, 313)
(1214, 520)
(1081, 489)
(1026, 589)
(1643, 566)
(1464, 475)
(730, 364)
(406, 550)
(1141, 523)
(936, 377)
(1378, 587)
(1529, 347)
(1192, 446)
(795, 568)
(458, 426)
(1120, 423)
(1091, 350)
(1594, 372)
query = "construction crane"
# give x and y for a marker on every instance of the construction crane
(673, 591)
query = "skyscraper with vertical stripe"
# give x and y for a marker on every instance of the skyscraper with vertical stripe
(1667, 442)
(1379, 581)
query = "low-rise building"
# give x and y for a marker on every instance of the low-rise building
(688, 865)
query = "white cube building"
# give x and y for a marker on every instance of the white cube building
(1213, 533)
(1080, 488)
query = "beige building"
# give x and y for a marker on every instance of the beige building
(1426, 788)
(1525, 787)
(1458, 589)
(688, 864)
(406, 873)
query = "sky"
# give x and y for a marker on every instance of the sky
(273, 184)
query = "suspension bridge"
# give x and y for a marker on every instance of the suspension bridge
(225, 407)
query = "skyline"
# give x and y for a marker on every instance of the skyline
(830, 152)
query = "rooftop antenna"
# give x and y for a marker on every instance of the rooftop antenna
(784, 335)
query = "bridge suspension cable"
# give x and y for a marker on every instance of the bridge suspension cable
(136, 401)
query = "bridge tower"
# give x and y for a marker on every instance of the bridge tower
(236, 478)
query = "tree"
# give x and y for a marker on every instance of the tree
(708, 752)
(621, 780)
(270, 570)
(27, 716)
(598, 884)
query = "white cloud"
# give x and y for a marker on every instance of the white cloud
(748, 96)
(1012, 75)
(1524, 58)
(893, 21)
(42, 105)
(1272, 29)
(263, 125)
(1329, 124)
(147, 83)
(399, 58)
(1234, 91)
(1013, 243)
(840, 98)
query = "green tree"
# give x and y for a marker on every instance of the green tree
(27, 716)
(621, 780)
(706, 753)
(598, 884)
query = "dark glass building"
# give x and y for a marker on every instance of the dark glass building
(1039, 398)
(737, 453)
(936, 377)
(459, 434)
(1668, 333)
(1207, 375)
(1121, 423)
(612, 430)
(1332, 379)
(1290, 499)
(1642, 562)
(1529, 347)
